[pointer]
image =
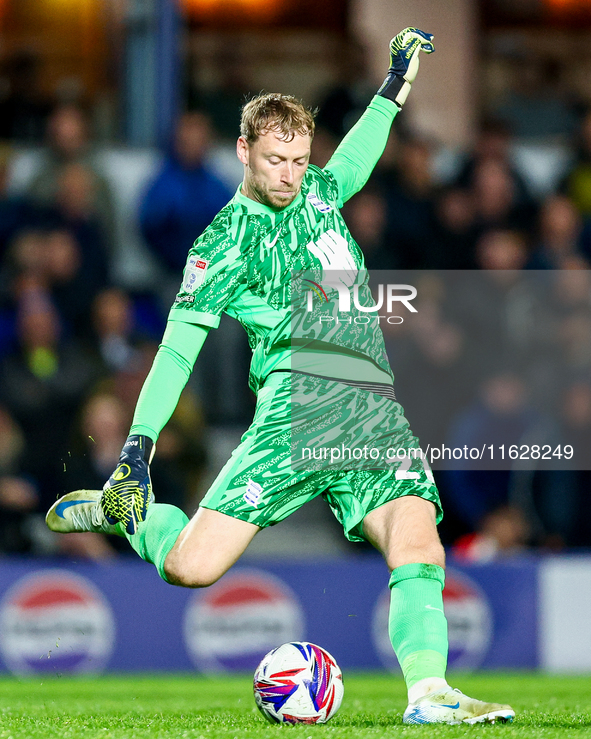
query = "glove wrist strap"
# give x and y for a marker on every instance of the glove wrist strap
(139, 446)
(395, 88)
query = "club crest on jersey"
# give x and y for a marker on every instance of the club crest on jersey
(332, 251)
(194, 273)
(319, 204)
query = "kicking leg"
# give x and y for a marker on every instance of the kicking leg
(206, 548)
(192, 553)
(405, 531)
(195, 553)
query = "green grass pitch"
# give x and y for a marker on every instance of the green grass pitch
(201, 708)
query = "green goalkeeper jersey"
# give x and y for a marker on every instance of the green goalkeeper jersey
(266, 268)
(260, 265)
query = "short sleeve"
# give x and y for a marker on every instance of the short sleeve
(213, 275)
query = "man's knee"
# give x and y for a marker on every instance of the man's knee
(420, 545)
(405, 531)
(208, 546)
(428, 552)
(189, 574)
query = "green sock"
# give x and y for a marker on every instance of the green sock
(417, 626)
(157, 535)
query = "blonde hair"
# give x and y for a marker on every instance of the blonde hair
(283, 114)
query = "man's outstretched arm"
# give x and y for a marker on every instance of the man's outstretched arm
(358, 153)
(168, 376)
(130, 483)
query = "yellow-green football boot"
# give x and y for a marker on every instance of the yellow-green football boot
(80, 511)
(453, 707)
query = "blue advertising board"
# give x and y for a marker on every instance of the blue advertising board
(60, 616)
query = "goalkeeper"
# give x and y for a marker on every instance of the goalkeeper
(283, 220)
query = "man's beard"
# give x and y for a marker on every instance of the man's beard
(272, 198)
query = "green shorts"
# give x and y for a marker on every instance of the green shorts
(315, 436)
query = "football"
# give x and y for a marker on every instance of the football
(298, 683)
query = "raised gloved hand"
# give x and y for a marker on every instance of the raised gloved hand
(128, 492)
(404, 63)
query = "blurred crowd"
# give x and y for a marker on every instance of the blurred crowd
(76, 342)
(75, 346)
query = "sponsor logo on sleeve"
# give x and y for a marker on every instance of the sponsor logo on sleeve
(195, 272)
(253, 493)
(319, 204)
(185, 299)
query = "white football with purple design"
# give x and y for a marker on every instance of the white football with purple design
(298, 683)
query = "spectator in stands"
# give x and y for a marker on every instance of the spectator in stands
(225, 99)
(75, 209)
(94, 449)
(493, 144)
(454, 230)
(429, 353)
(496, 201)
(486, 301)
(409, 191)
(75, 275)
(554, 492)
(115, 336)
(559, 235)
(17, 212)
(567, 517)
(573, 332)
(23, 108)
(23, 266)
(538, 104)
(577, 183)
(501, 249)
(54, 263)
(68, 142)
(73, 220)
(181, 450)
(41, 383)
(18, 495)
(18, 501)
(500, 415)
(367, 216)
(503, 532)
(184, 197)
(343, 104)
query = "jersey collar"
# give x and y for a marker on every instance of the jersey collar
(253, 206)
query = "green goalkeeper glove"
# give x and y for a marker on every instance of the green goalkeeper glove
(404, 63)
(128, 492)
